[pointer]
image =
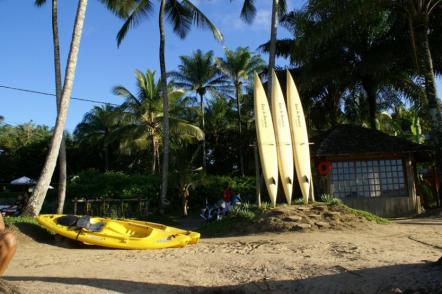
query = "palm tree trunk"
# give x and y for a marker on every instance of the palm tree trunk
(106, 157)
(430, 90)
(165, 170)
(154, 155)
(238, 105)
(202, 128)
(58, 89)
(370, 89)
(62, 176)
(36, 201)
(272, 50)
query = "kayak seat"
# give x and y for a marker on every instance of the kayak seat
(68, 220)
(84, 222)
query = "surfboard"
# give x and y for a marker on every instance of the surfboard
(265, 139)
(301, 150)
(283, 138)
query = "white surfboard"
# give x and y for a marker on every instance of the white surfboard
(283, 138)
(301, 150)
(265, 139)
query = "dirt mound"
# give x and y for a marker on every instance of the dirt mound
(308, 218)
(297, 218)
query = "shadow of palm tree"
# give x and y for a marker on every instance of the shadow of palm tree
(40, 235)
(35, 232)
(405, 278)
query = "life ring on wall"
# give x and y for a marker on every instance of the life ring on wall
(324, 168)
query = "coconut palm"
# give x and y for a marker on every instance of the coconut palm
(36, 201)
(98, 128)
(418, 15)
(198, 73)
(144, 116)
(248, 13)
(239, 66)
(181, 14)
(58, 89)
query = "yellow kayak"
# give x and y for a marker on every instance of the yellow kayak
(121, 234)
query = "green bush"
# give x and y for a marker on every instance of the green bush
(212, 187)
(93, 184)
(428, 197)
(330, 199)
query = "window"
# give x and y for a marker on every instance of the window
(371, 178)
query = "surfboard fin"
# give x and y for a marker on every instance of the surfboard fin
(289, 180)
(272, 181)
(306, 179)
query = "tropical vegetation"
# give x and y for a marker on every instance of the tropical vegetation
(362, 62)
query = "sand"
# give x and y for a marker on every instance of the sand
(394, 258)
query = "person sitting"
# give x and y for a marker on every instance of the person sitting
(8, 246)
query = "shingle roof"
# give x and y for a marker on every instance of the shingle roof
(350, 140)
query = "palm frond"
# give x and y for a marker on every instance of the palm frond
(39, 3)
(137, 12)
(202, 21)
(179, 17)
(248, 11)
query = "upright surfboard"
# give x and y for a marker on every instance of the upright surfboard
(265, 139)
(301, 151)
(283, 138)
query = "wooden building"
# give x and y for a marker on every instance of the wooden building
(368, 169)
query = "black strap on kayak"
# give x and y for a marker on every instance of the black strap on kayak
(79, 232)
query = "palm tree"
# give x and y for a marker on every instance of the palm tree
(199, 73)
(144, 116)
(98, 128)
(418, 15)
(181, 14)
(62, 174)
(36, 201)
(239, 66)
(248, 13)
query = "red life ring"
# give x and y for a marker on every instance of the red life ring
(324, 168)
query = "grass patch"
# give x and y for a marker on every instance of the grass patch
(13, 221)
(28, 226)
(235, 222)
(365, 214)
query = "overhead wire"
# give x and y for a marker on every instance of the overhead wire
(51, 94)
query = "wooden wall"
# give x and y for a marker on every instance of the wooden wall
(384, 206)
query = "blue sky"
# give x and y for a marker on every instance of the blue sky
(26, 54)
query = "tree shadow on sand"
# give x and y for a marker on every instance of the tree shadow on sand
(407, 278)
(40, 235)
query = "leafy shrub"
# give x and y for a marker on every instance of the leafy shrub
(330, 199)
(94, 184)
(243, 211)
(428, 197)
(212, 187)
